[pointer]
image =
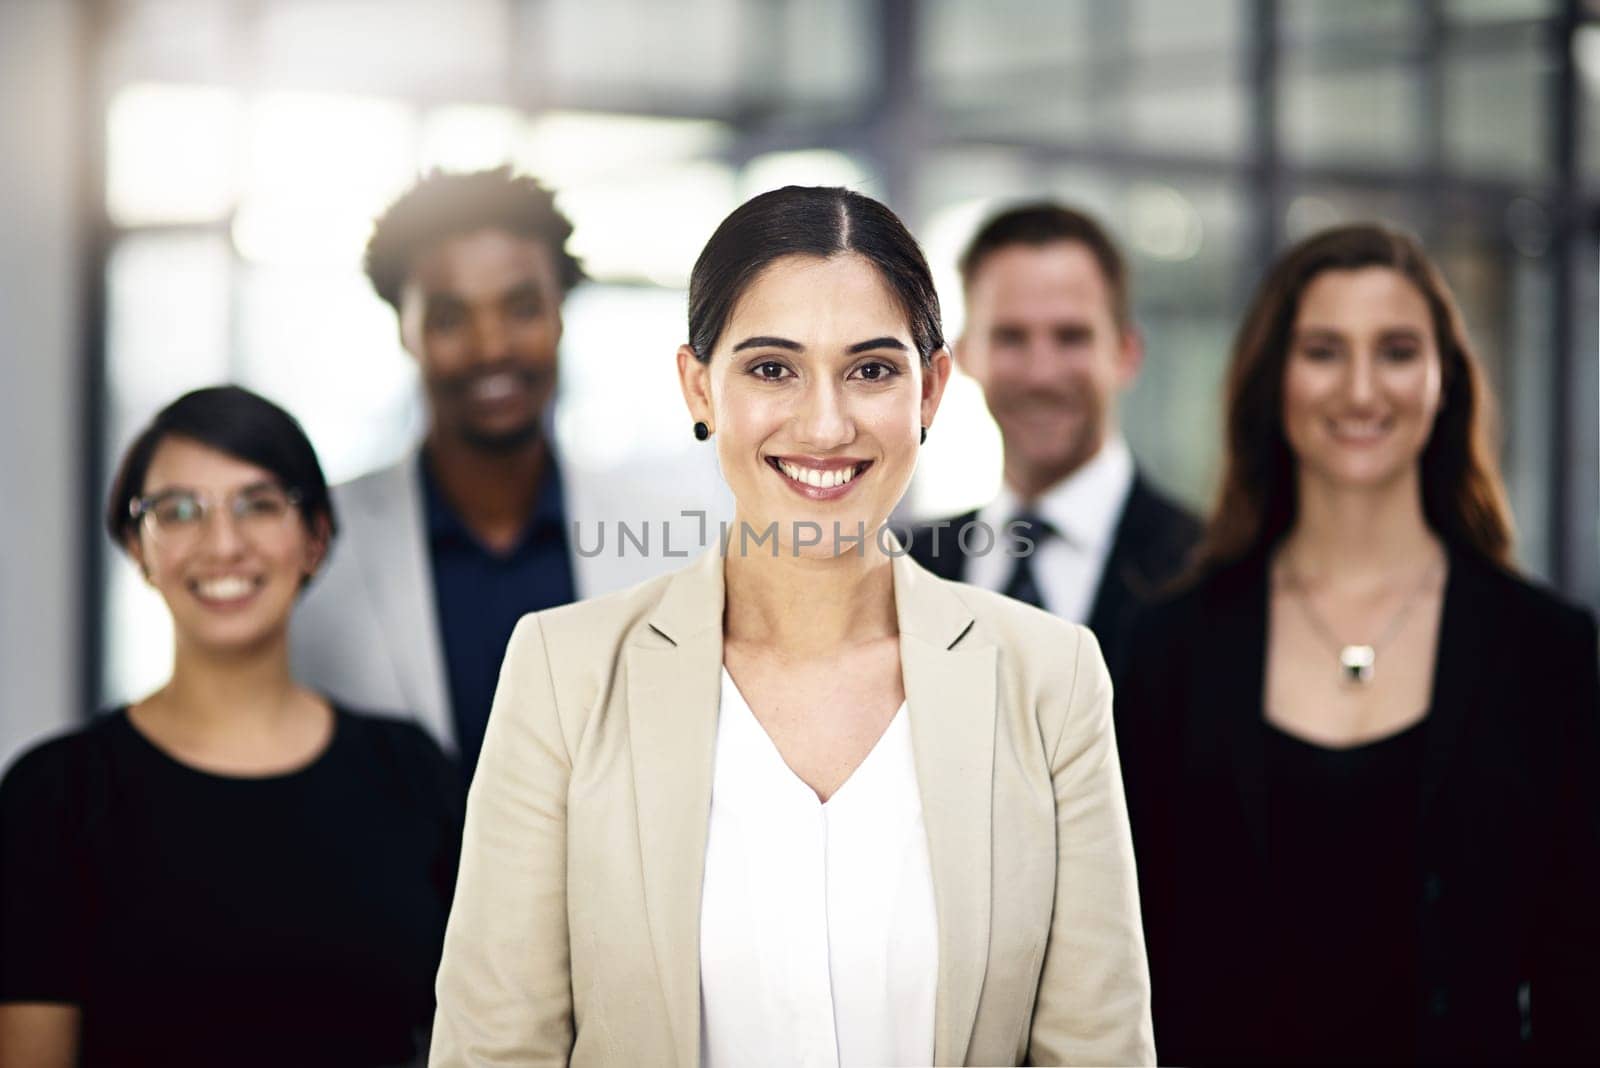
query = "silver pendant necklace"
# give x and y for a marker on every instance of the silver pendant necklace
(1357, 662)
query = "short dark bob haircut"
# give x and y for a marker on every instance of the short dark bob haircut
(446, 204)
(240, 423)
(809, 221)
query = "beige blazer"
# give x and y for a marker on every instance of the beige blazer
(576, 925)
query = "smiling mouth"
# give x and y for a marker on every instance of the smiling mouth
(225, 591)
(1359, 431)
(495, 387)
(816, 481)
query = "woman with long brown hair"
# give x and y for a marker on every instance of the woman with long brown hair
(1359, 749)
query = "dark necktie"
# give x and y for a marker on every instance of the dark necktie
(1022, 585)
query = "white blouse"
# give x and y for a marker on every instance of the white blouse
(819, 941)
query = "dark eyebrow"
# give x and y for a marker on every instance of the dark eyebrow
(878, 343)
(766, 342)
(260, 485)
(522, 291)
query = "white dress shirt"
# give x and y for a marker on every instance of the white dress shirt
(1084, 508)
(819, 941)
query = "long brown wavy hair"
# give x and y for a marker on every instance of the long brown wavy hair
(1463, 498)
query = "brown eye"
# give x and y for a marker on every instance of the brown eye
(769, 370)
(876, 371)
(177, 510)
(445, 317)
(526, 308)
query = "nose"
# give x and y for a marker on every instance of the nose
(491, 341)
(1043, 362)
(822, 421)
(1361, 383)
(219, 534)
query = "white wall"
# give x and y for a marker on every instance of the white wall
(40, 528)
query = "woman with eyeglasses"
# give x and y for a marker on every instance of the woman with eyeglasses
(231, 870)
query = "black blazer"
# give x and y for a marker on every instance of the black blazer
(1508, 907)
(1152, 543)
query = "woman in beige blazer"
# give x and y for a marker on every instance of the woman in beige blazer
(581, 930)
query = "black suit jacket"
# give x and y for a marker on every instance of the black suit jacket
(1508, 804)
(1153, 539)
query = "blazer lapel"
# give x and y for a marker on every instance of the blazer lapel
(674, 670)
(950, 696)
(398, 571)
(1112, 595)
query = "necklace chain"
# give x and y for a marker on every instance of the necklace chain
(1357, 661)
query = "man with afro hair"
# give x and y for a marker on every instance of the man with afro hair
(446, 550)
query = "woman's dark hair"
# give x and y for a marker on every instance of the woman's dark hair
(235, 421)
(809, 221)
(1463, 498)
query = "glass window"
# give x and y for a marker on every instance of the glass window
(1498, 109)
(1355, 108)
(620, 400)
(469, 137)
(318, 341)
(169, 299)
(194, 41)
(320, 167)
(691, 53)
(413, 47)
(172, 154)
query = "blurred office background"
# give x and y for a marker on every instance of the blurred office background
(187, 186)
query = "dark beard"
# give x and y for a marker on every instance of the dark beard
(506, 441)
(453, 390)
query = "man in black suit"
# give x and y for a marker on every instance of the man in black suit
(1049, 338)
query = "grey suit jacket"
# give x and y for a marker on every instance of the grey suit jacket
(367, 632)
(575, 930)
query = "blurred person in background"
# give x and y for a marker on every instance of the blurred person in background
(232, 870)
(1051, 340)
(802, 801)
(444, 551)
(1360, 749)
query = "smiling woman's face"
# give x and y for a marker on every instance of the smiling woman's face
(1363, 381)
(229, 581)
(816, 396)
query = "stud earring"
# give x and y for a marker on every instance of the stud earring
(924, 440)
(701, 432)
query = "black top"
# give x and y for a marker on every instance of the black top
(199, 919)
(480, 594)
(1342, 837)
(1153, 539)
(1507, 810)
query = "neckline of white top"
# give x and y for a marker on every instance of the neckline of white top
(745, 721)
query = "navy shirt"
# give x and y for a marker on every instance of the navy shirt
(480, 594)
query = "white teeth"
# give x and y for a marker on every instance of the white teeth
(1364, 428)
(494, 387)
(225, 589)
(812, 476)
